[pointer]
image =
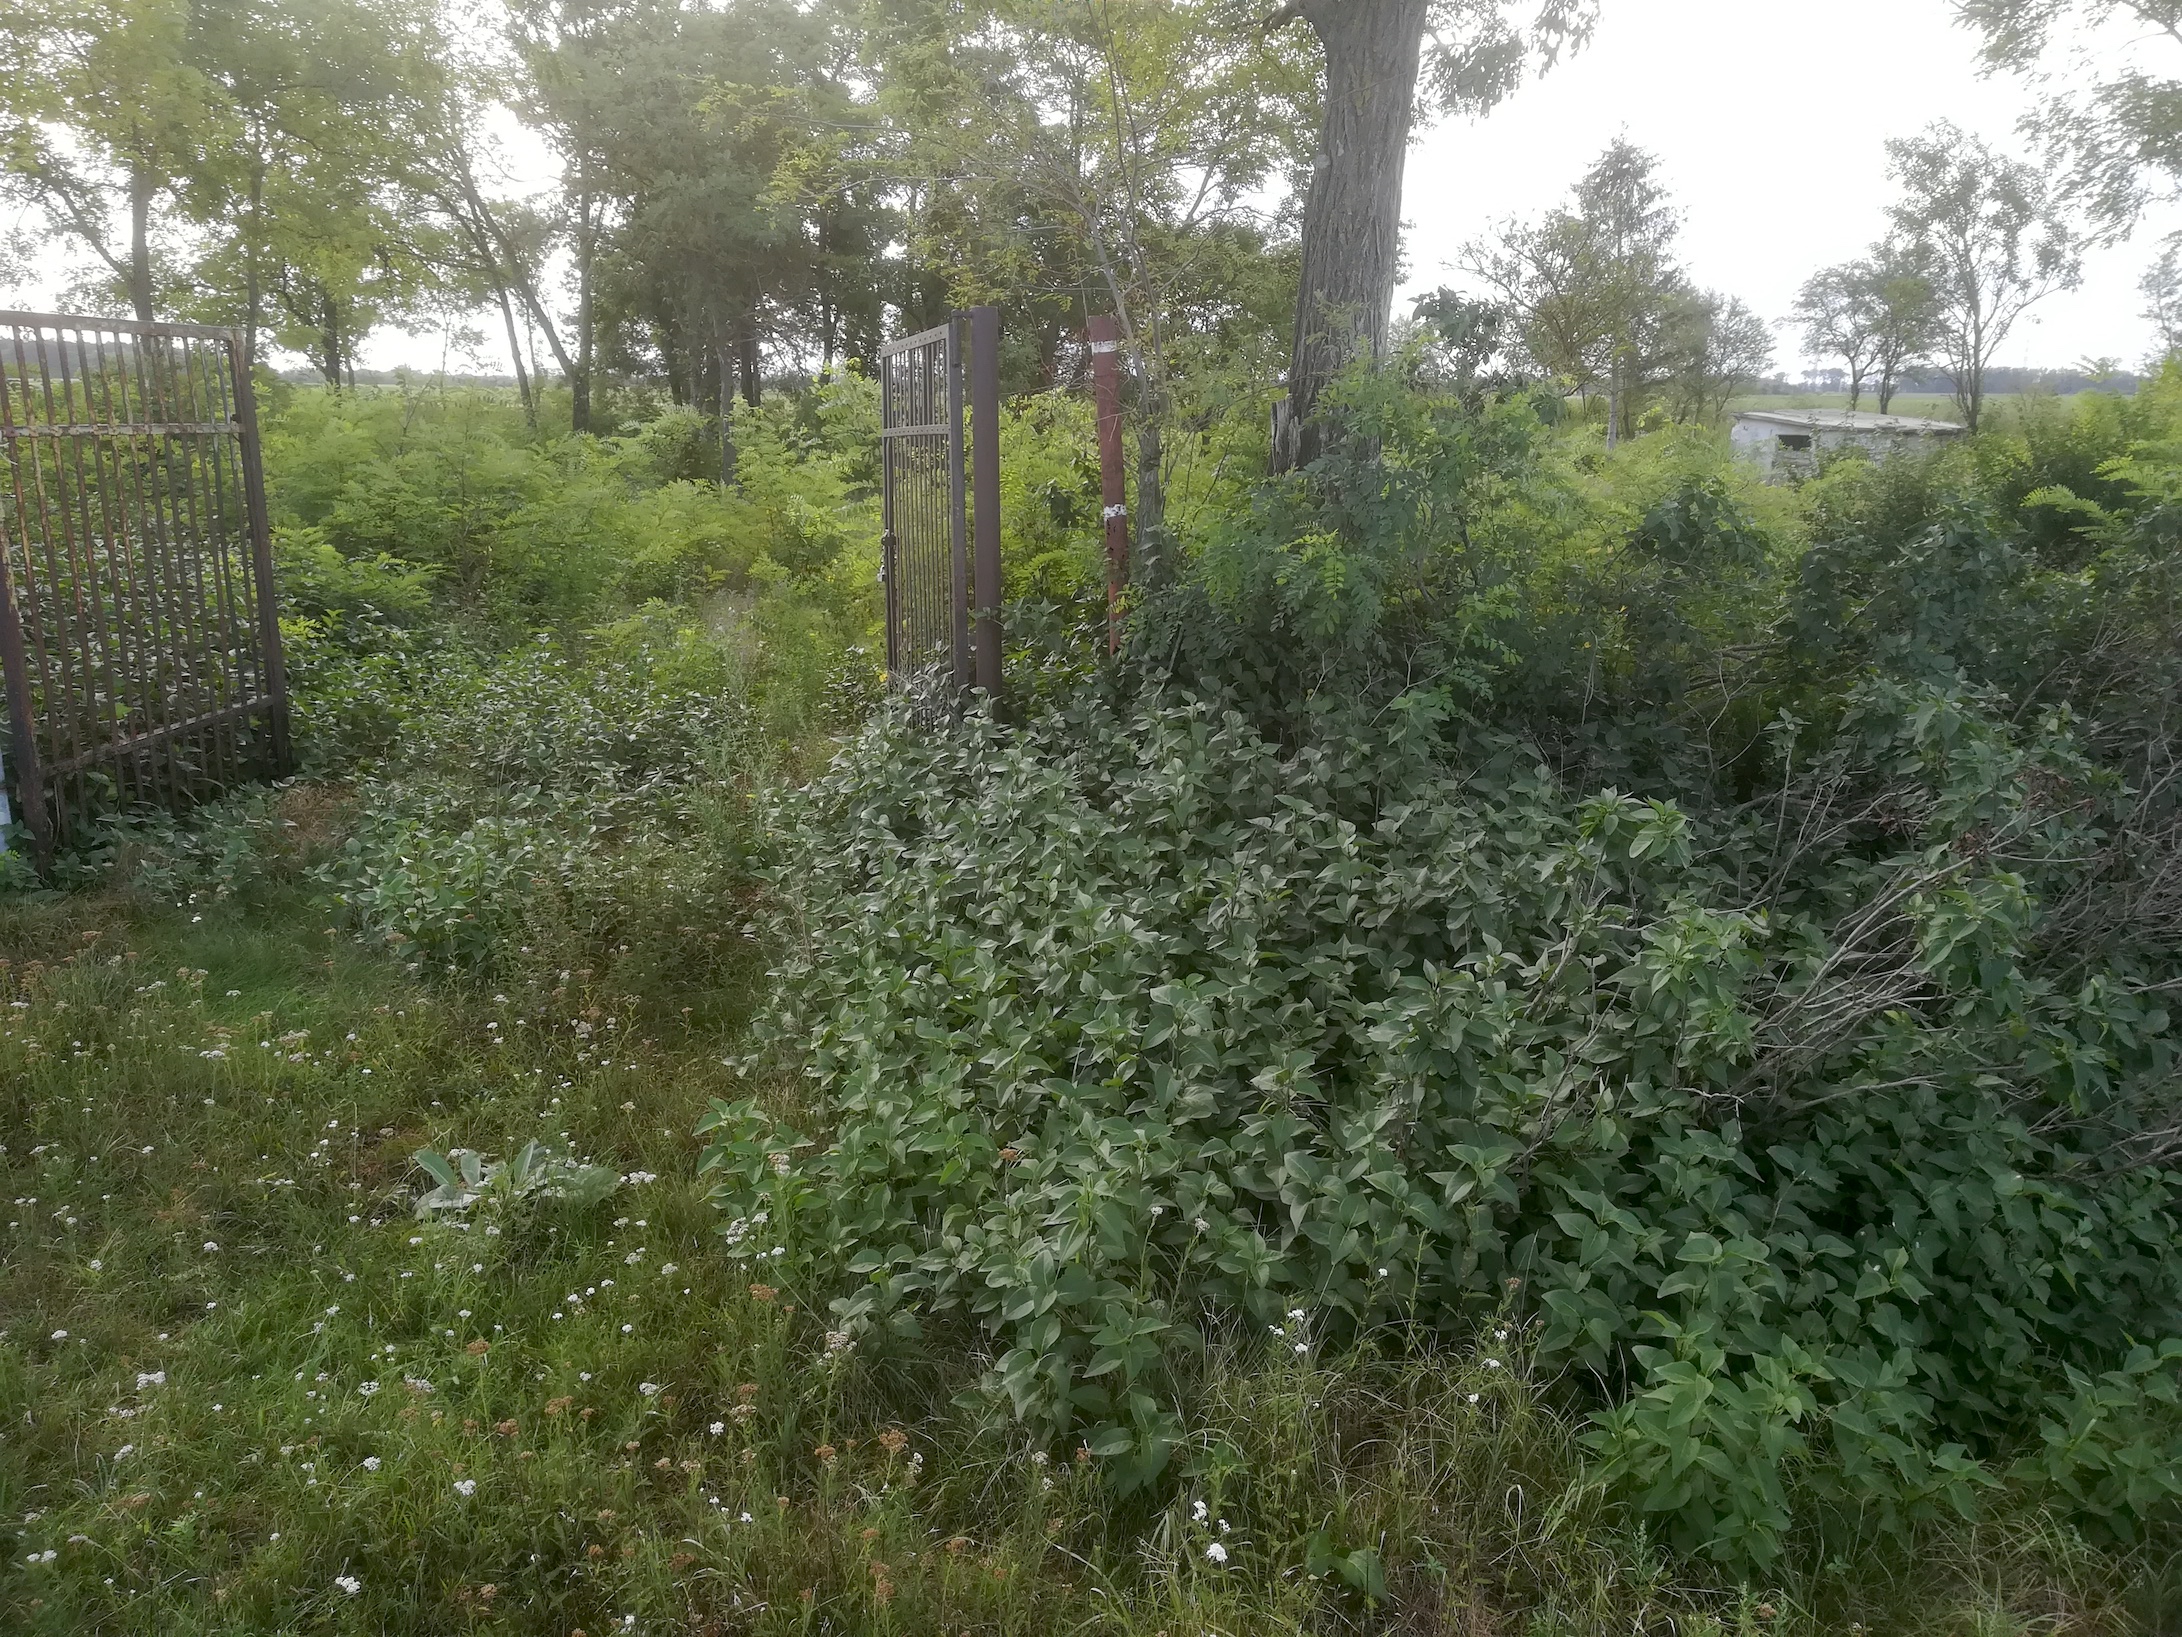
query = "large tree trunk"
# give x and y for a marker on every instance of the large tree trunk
(140, 243)
(1352, 220)
(726, 351)
(579, 380)
(253, 288)
(1151, 479)
(746, 348)
(329, 336)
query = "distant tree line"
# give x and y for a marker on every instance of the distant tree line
(2093, 375)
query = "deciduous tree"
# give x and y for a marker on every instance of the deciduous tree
(2118, 132)
(1835, 312)
(102, 115)
(1382, 59)
(1990, 239)
(1601, 302)
(296, 195)
(1905, 315)
(1117, 158)
(1875, 314)
(2161, 288)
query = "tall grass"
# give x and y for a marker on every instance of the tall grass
(245, 1390)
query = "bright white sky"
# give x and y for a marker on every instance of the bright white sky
(1770, 121)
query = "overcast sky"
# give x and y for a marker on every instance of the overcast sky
(1770, 121)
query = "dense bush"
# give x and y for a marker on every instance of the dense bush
(554, 809)
(1741, 941)
(388, 500)
(1130, 1021)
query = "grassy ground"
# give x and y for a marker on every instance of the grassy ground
(244, 1390)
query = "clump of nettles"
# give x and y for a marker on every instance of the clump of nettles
(1809, 1149)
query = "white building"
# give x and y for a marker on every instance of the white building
(1786, 443)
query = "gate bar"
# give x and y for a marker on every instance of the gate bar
(273, 666)
(959, 503)
(890, 575)
(985, 457)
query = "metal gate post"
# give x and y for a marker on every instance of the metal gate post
(261, 556)
(1105, 336)
(22, 728)
(958, 504)
(925, 496)
(14, 662)
(889, 570)
(985, 454)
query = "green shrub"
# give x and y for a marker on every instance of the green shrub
(1802, 1145)
(550, 809)
(387, 499)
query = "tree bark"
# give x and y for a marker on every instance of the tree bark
(329, 335)
(140, 243)
(1151, 474)
(579, 381)
(727, 409)
(253, 290)
(747, 350)
(1352, 218)
(515, 353)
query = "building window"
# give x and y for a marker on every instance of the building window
(1800, 442)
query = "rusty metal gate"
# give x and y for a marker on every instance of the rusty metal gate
(138, 628)
(942, 608)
